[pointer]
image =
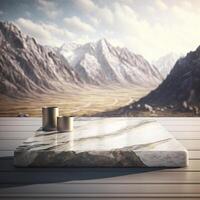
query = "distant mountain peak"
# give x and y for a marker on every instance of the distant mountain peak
(103, 41)
(165, 63)
(9, 26)
(69, 46)
(12, 34)
(113, 65)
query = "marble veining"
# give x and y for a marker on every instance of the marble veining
(104, 142)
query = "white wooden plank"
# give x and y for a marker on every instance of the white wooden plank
(106, 189)
(194, 155)
(184, 135)
(15, 135)
(9, 145)
(20, 118)
(20, 122)
(18, 128)
(102, 196)
(165, 121)
(150, 177)
(191, 145)
(47, 197)
(156, 118)
(6, 154)
(186, 128)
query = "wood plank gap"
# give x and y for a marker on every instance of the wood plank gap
(87, 195)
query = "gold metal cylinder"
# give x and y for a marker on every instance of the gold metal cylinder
(65, 123)
(49, 118)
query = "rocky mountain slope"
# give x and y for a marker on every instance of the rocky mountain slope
(166, 63)
(27, 67)
(180, 91)
(101, 63)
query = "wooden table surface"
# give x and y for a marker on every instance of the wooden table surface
(98, 183)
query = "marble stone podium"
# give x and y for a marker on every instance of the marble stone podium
(103, 142)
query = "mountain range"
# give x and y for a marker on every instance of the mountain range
(180, 91)
(30, 68)
(101, 63)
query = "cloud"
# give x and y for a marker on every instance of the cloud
(161, 5)
(85, 5)
(105, 15)
(152, 36)
(47, 34)
(186, 4)
(94, 21)
(48, 7)
(34, 29)
(1, 12)
(75, 24)
(178, 29)
(151, 9)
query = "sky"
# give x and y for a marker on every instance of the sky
(152, 28)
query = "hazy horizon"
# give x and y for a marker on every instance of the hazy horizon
(151, 28)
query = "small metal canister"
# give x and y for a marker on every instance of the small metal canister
(65, 123)
(49, 118)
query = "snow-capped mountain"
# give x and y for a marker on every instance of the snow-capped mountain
(67, 49)
(165, 63)
(101, 63)
(179, 91)
(27, 67)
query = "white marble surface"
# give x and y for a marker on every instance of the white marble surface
(104, 142)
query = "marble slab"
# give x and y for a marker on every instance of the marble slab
(103, 142)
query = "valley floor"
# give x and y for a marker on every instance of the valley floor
(84, 102)
(77, 102)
